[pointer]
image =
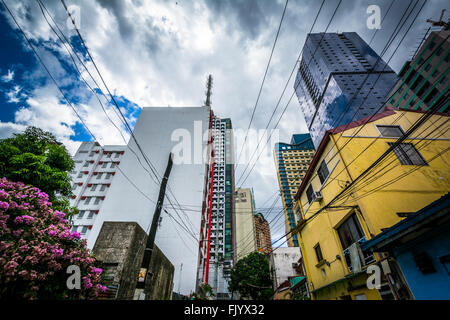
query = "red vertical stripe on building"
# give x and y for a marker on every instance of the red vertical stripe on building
(209, 222)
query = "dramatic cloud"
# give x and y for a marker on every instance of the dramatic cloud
(158, 53)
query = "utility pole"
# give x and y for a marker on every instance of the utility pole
(144, 273)
(179, 278)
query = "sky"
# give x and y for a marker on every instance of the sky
(159, 53)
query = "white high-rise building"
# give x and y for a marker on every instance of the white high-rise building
(95, 168)
(217, 237)
(196, 230)
(133, 194)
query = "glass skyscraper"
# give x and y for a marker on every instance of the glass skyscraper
(423, 81)
(331, 83)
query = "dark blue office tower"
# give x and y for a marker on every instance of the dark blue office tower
(329, 78)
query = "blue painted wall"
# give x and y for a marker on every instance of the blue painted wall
(433, 286)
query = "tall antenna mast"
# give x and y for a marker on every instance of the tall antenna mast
(209, 84)
(440, 22)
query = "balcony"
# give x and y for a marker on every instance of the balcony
(356, 263)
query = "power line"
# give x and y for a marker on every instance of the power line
(414, 127)
(354, 96)
(392, 146)
(290, 76)
(264, 78)
(388, 44)
(64, 96)
(284, 110)
(383, 104)
(146, 158)
(368, 121)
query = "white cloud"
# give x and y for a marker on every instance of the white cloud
(8, 77)
(8, 128)
(13, 95)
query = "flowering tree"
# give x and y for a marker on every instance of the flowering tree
(35, 157)
(37, 246)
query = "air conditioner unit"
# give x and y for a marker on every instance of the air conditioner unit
(318, 196)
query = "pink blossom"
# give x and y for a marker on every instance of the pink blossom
(4, 205)
(36, 237)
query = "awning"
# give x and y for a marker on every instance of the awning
(296, 280)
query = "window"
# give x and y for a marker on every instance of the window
(117, 155)
(113, 165)
(431, 95)
(81, 214)
(86, 164)
(84, 230)
(407, 154)
(74, 228)
(310, 193)
(99, 175)
(318, 253)
(104, 164)
(108, 155)
(350, 231)
(90, 215)
(94, 186)
(323, 172)
(97, 200)
(108, 175)
(103, 187)
(88, 199)
(80, 175)
(404, 214)
(432, 44)
(390, 131)
(74, 186)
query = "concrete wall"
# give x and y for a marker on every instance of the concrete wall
(160, 286)
(281, 261)
(155, 130)
(120, 247)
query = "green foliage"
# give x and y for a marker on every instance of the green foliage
(204, 292)
(35, 157)
(251, 277)
(295, 296)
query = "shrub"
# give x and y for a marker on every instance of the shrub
(37, 246)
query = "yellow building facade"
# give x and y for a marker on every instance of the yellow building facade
(292, 161)
(412, 175)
